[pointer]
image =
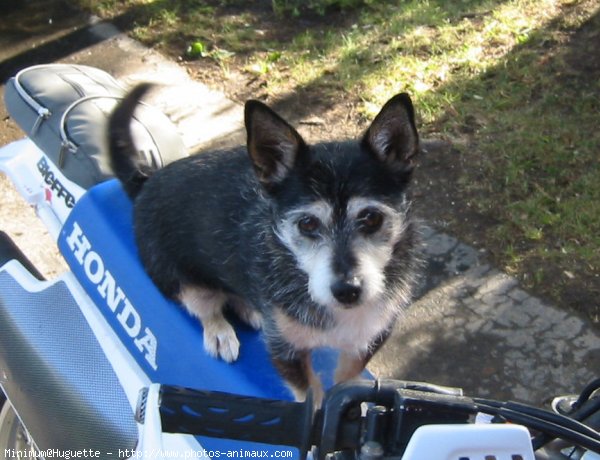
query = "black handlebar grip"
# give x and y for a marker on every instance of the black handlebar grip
(222, 415)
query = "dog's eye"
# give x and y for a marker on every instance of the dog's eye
(370, 220)
(309, 225)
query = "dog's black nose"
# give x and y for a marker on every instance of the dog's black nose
(347, 291)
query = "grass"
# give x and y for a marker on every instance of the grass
(498, 78)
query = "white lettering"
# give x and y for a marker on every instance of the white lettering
(149, 344)
(78, 243)
(130, 319)
(93, 259)
(110, 291)
(96, 272)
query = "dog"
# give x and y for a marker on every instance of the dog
(314, 244)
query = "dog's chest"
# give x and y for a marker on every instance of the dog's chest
(354, 330)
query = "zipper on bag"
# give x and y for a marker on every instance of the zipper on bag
(43, 112)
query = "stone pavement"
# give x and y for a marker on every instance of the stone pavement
(472, 326)
(478, 329)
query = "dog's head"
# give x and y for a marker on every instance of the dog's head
(339, 208)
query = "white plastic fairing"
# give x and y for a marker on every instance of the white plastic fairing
(40, 182)
(470, 442)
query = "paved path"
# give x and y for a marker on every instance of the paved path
(473, 326)
(480, 330)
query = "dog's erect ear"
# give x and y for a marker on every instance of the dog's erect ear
(273, 145)
(393, 137)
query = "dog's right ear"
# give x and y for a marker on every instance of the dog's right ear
(273, 145)
(392, 137)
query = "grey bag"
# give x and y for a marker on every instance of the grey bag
(64, 109)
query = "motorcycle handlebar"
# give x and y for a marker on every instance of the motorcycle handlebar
(337, 425)
(395, 410)
(223, 415)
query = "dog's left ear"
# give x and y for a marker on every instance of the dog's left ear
(273, 145)
(392, 137)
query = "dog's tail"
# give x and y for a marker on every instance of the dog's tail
(124, 157)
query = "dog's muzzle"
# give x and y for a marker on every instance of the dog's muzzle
(347, 291)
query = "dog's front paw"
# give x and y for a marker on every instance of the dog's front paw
(246, 312)
(253, 319)
(220, 341)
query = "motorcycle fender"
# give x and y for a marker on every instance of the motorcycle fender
(54, 371)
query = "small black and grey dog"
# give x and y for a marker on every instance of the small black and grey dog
(313, 244)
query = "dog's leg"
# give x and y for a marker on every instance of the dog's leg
(207, 305)
(245, 312)
(352, 363)
(349, 366)
(300, 376)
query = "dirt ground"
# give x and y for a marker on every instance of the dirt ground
(323, 116)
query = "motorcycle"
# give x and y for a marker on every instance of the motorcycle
(97, 363)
